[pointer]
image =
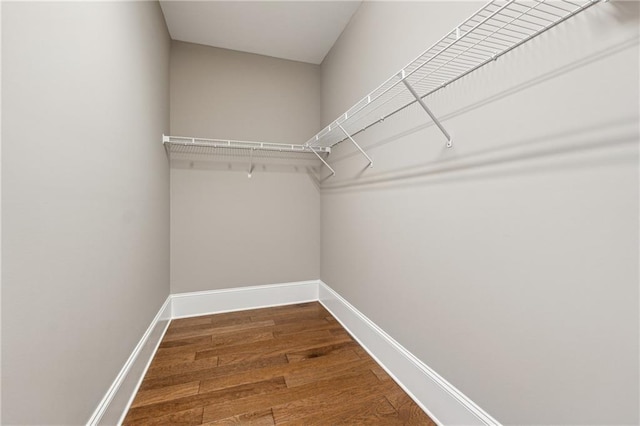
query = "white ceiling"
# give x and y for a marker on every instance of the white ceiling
(297, 30)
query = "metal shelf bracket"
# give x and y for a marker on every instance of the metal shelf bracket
(251, 164)
(312, 149)
(356, 144)
(426, 108)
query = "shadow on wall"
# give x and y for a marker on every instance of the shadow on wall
(569, 141)
(251, 162)
(550, 146)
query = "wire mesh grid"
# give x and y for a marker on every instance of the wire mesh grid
(495, 29)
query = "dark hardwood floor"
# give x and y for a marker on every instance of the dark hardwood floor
(285, 365)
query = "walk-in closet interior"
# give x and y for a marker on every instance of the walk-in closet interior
(320, 212)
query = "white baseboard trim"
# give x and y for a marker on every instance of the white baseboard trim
(116, 401)
(445, 404)
(242, 298)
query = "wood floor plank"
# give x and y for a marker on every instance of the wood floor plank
(298, 370)
(204, 399)
(211, 346)
(181, 418)
(286, 395)
(372, 410)
(205, 332)
(188, 322)
(186, 348)
(290, 364)
(241, 327)
(231, 318)
(315, 324)
(173, 331)
(261, 418)
(163, 359)
(335, 399)
(278, 346)
(198, 340)
(212, 372)
(325, 371)
(208, 321)
(160, 371)
(216, 331)
(147, 397)
(302, 355)
(242, 338)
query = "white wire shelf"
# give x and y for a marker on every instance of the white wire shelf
(191, 147)
(495, 29)
(177, 143)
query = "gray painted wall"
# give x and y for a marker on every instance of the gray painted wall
(228, 230)
(85, 197)
(508, 263)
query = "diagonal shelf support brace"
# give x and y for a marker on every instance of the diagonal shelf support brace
(357, 146)
(333, 172)
(251, 164)
(426, 108)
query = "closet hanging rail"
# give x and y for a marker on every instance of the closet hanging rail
(174, 144)
(495, 29)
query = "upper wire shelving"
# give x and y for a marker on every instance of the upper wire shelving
(189, 145)
(495, 29)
